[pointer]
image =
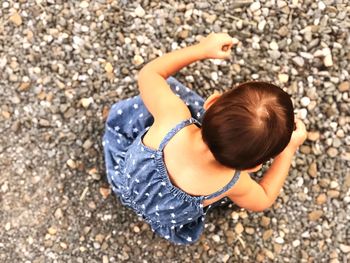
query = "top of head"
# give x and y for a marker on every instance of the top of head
(248, 125)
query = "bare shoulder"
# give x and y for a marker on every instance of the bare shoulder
(242, 186)
(161, 126)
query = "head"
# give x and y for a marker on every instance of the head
(246, 126)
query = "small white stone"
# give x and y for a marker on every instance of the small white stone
(139, 11)
(78, 41)
(255, 6)
(85, 29)
(281, 3)
(296, 243)
(137, 60)
(273, 45)
(328, 60)
(326, 51)
(261, 25)
(300, 181)
(305, 101)
(279, 240)
(85, 102)
(5, 5)
(344, 248)
(8, 226)
(216, 238)
(306, 234)
(214, 76)
(84, 4)
(321, 5)
(306, 55)
(333, 184)
(302, 113)
(283, 78)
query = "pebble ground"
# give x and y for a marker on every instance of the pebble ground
(64, 63)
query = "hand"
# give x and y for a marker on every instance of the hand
(216, 45)
(298, 136)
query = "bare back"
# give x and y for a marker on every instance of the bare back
(184, 167)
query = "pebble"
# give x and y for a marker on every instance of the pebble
(85, 102)
(71, 163)
(7, 226)
(216, 238)
(332, 152)
(239, 228)
(63, 245)
(52, 230)
(302, 113)
(225, 258)
(255, 6)
(328, 60)
(283, 78)
(267, 234)
(321, 199)
(136, 229)
(139, 11)
(273, 45)
(269, 254)
(16, 19)
(313, 135)
(105, 192)
(58, 213)
(299, 61)
(344, 86)
(333, 193)
(305, 101)
(265, 221)
(93, 171)
(321, 6)
(84, 4)
(279, 240)
(283, 31)
(261, 25)
(108, 67)
(137, 60)
(214, 76)
(315, 215)
(296, 243)
(312, 171)
(333, 184)
(344, 248)
(249, 230)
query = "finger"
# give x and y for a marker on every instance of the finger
(225, 38)
(299, 124)
(223, 54)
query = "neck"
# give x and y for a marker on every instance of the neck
(203, 153)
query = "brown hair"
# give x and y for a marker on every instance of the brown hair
(248, 125)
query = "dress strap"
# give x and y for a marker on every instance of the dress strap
(174, 130)
(226, 187)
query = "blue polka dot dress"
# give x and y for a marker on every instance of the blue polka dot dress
(138, 175)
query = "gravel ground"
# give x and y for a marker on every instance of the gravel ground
(64, 63)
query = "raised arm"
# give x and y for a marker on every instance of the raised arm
(213, 46)
(257, 197)
(154, 90)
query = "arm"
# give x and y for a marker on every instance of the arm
(257, 197)
(154, 90)
(172, 62)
